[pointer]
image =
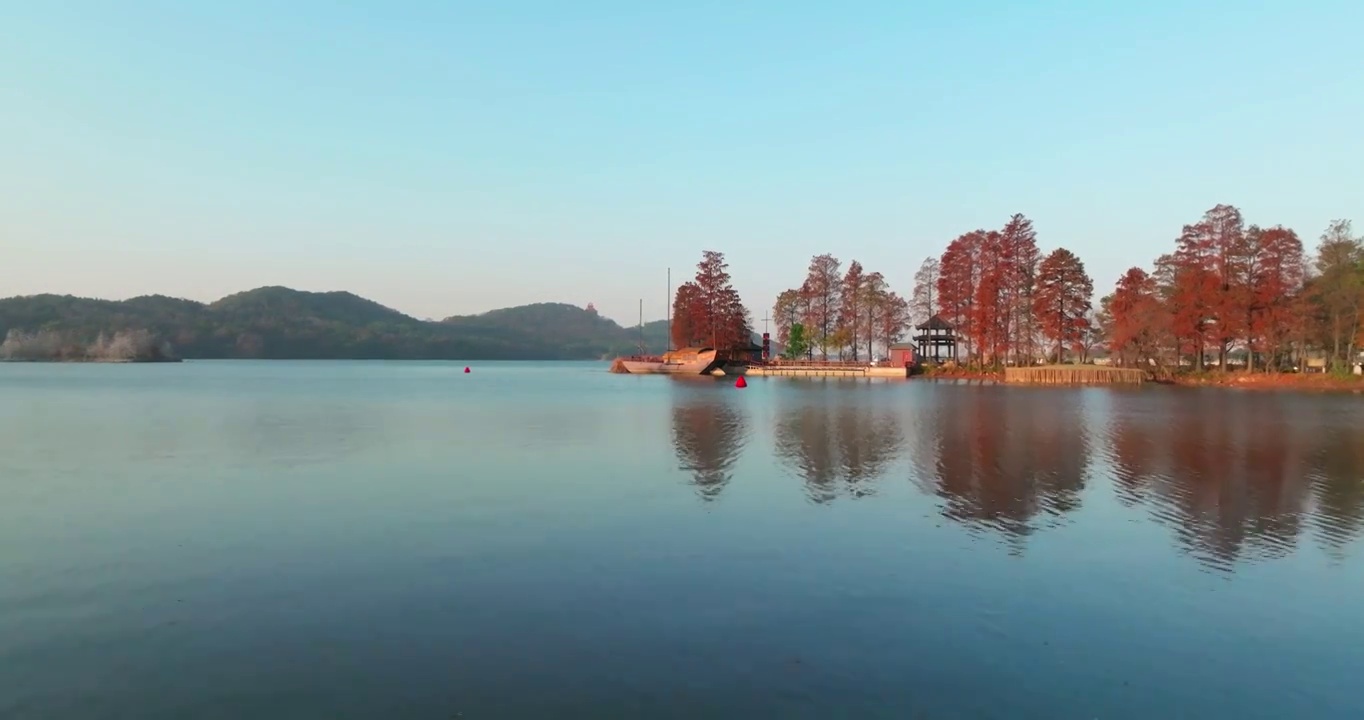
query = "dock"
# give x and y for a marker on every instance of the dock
(1074, 375)
(826, 368)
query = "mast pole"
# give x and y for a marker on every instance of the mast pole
(667, 304)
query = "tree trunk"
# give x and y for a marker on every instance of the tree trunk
(1060, 335)
(1350, 346)
(1335, 339)
(871, 332)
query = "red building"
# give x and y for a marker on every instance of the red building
(903, 355)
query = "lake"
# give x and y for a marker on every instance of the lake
(546, 540)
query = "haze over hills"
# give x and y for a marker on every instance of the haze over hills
(281, 323)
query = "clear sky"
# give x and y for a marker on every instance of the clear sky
(452, 157)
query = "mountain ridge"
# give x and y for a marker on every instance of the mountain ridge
(277, 322)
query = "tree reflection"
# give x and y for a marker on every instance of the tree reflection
(1234, 476)
(709, 433)
(1337, 468)
(1006, 459)
(1240, 475)
(839, 436)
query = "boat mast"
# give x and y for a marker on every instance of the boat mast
(668, 305)
(641, 326)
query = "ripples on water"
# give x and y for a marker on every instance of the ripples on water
(332, 540)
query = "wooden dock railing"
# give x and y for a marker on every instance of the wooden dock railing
(824, 363)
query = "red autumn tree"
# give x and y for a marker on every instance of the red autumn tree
(853, 291)
(1062, 299)
(958, 277)
(1194, 293)
(1181, 335)
(1136, 317)
(990, 313)
(1215, 264)
(708, 309)
(687, 315)
(735, 330)
(1021, 257)
(1278, 277)
(1238, 266)
(985, 285)
(822, 290)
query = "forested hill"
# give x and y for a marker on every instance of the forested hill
(280, 323)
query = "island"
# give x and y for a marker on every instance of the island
(124, 346)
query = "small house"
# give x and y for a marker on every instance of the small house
(903, 355)
(749, 352)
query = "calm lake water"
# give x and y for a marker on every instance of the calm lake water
(402, 540)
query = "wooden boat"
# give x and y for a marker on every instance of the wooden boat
(686, 361)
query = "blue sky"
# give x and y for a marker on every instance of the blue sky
(449, 157)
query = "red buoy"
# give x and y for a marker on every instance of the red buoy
(741, 382)
(466, 369)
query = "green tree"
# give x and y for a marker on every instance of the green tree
(796, 344)
(1339, 286)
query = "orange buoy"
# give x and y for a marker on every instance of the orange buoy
(741, 382)
(466, 369)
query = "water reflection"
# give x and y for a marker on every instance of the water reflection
(1234, 476)
(1241, 475)
(1004, 460)
(709, 433)
(839, 436)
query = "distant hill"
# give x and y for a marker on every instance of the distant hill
(280, 323)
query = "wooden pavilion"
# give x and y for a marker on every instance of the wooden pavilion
(934, 336)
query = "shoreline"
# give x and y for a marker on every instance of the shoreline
(1307, 382)
(1261, 381)
(83, 361)
(1320, 382)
